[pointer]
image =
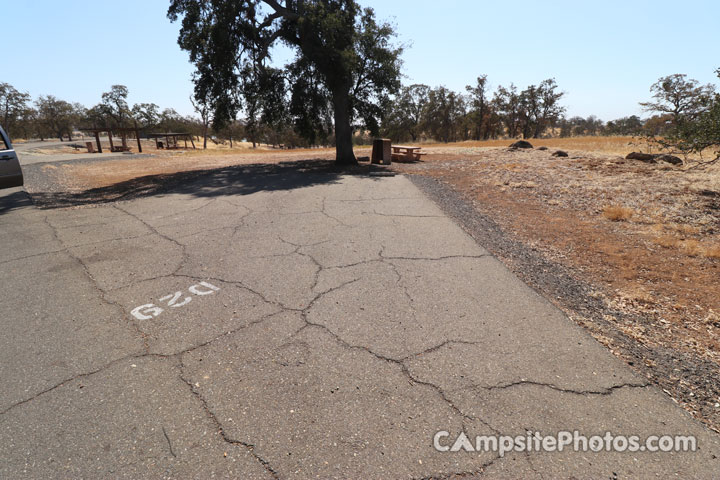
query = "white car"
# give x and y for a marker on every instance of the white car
(10, 172)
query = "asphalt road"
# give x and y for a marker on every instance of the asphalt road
(314, 326)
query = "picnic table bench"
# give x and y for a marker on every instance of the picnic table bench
(406, 153)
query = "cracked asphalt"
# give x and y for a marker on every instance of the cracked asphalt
(325, 326)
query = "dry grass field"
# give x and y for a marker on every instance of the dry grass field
(615, 145)
(610, 145)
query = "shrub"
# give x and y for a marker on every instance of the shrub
(617, 213)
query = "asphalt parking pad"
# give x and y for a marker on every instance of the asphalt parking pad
(312, 406)
(135, 419)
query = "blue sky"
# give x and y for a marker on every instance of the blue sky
(605, 55)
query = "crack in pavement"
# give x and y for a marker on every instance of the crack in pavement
(178, 356)
(183, 248)
(223, 434)
(466, 474)
(401, 365)
(110, 240)
(432, 259)
(141, 356)
(602, 392)
(350, 200)
(375, 212)
(102, 293)
(63, 250)
(361, 262)
(71, 379)
(399, 283)
(212, 200)
(439, 346)
(398, 362)
(207, 230)
(67, 248)
(528, 457)
(324, 212)
(170, 447)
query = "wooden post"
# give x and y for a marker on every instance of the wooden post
(193, 143)
(112, 148)
(97, 140)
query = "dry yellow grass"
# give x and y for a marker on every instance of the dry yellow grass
(685, 229)
(690, 247)
(616, 213)
(667, 241)
(673, 227)
(712, 251)
(615, 145)
(608, 145)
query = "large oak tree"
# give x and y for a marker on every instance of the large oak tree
(345, 62)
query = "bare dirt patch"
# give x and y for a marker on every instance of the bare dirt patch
(103, 174)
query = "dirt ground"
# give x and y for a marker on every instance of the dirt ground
(646, 237)
(102, 174)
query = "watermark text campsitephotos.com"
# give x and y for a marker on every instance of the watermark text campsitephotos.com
(443, 441)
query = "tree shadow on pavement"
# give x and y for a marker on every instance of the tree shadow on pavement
(13, 200)
(235, 180)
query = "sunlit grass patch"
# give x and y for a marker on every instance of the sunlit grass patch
(617, 213)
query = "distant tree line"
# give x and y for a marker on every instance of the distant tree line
(50, 117)
(422, 112)
(685, 116)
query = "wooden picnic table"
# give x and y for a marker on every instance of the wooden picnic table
(404, 149)
(406, 152)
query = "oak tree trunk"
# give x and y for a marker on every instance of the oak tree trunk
(344, 154)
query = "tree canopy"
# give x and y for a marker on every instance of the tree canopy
(345, 67)
(439, 113)
(677, 96)
(693, 113)
(13, 105)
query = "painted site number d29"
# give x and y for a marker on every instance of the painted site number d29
(174, 300)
